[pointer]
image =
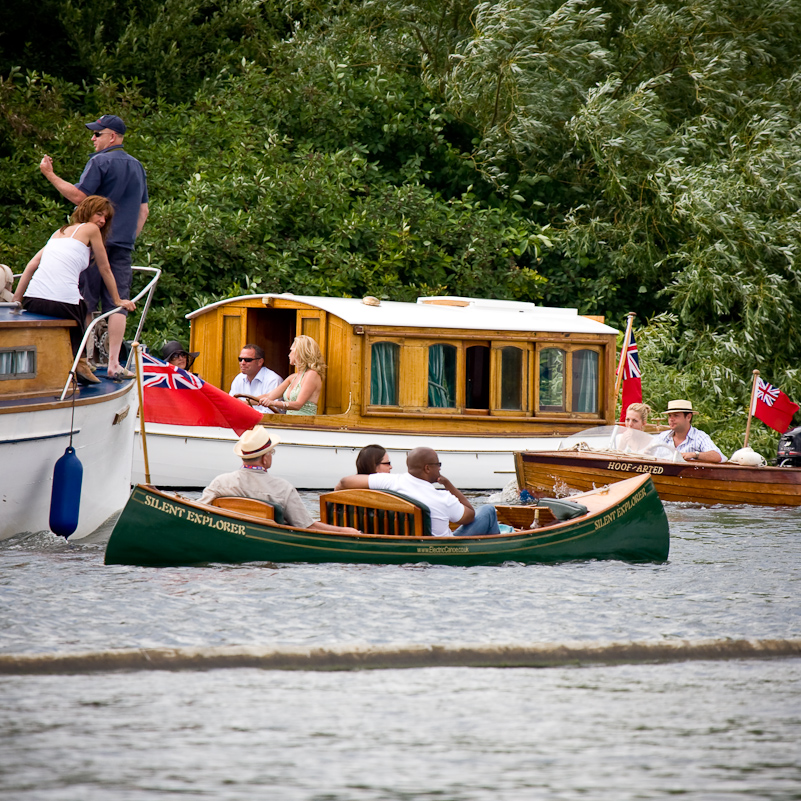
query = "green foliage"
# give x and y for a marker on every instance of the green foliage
(592, 153)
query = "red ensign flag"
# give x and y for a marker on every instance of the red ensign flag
(773, 407)
(632, 382)
(177, 397)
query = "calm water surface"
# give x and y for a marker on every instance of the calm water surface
(708, 730)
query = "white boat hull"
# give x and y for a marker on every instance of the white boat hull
(32, 441)
(182, 456)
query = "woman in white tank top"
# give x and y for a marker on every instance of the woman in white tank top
(49, 284)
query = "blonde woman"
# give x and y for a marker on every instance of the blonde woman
(299, 393)
(637, 416)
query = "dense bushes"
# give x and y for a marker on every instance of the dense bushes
(603, 155)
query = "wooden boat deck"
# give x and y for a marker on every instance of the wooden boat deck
(549, 472)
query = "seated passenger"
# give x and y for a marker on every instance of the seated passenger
(446, 507)
(299, 393)
(254, 378)
(372, 459)
(6, 284)
(637, 415)
(174, 353)
(49, 284)
(694, 445)
(255, 448)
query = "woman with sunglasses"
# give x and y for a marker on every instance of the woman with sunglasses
(174, 353)
(372, 459)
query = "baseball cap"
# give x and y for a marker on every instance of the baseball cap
(110, 121)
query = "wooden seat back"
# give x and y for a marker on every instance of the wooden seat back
(250, 506)
(376, 512)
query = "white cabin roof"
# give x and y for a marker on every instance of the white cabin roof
(471, 313)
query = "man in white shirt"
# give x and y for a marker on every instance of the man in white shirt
(254, 378)
(694, 445)
(446, 507)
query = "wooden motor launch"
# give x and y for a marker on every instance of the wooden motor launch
(631, 452)
(475, 379)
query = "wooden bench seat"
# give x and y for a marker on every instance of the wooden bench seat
(376, 512)
(251, 507)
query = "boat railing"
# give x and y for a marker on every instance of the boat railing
(148, 291)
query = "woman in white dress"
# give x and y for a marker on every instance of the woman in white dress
(49, 284)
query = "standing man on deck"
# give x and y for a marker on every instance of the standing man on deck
(112, 173)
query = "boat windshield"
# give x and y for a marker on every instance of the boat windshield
(620, 439)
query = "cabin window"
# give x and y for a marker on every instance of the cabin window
(585, 381)
(384, 374)
(442, 376)
(552, 380)
(17, 363)
(511, 378)
(477, 374)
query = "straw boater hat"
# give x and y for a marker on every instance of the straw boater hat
(680, 406)
(255, 443)
(6, 283)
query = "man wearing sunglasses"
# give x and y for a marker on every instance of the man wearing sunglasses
(254, 378)
(112, 173)
(446, 505)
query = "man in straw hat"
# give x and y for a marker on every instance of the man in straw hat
(255, 448)
(694, 445)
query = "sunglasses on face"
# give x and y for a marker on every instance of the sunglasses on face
(247, 358)
(388, 464)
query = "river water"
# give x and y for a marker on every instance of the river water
(706, 730)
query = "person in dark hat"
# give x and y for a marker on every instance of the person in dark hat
(694, 445)
(175, 354)
(114, 174)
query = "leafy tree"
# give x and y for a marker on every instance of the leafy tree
(601, 154)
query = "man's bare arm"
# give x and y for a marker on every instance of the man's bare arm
(353, 482)
(66, 189)
(144, 210)
(469, 513)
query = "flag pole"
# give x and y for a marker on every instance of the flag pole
(138, 349)
(751, 407)
(623, 352)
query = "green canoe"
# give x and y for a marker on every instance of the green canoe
(622, 521)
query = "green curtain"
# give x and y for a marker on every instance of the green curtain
(552, 380)
(441, 376)
(585, 381)
(384, 374)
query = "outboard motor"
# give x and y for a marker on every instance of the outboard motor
(788, 453)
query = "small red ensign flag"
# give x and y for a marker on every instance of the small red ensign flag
(773, 407)
(177, 397)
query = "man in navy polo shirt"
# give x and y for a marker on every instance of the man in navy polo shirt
(112, 173)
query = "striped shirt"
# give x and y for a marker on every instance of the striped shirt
(694, 441)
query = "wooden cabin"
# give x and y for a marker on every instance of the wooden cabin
(442, 365)
(35, 355)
